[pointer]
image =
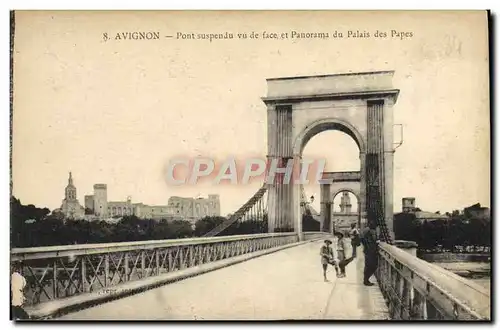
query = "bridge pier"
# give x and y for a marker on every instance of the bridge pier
(296, 209)
(363, 219)
(379, 166)
(326, 208)
(280, 194)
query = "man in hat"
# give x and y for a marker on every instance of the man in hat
(370, 248)
(328, 257)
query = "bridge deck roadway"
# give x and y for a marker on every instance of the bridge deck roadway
(286, 285)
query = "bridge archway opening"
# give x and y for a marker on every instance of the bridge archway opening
(345, 209)
(337, 200)
(340, 152)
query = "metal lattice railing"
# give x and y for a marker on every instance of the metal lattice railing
(254, 209)
(63, 271)
(417, 290)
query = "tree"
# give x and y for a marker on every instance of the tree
(24, 222)
(246, 227)
(180, 229)
(407, 227)
(455, 233)
(206, 224)
(56, 215)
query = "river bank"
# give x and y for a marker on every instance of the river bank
(478, 272)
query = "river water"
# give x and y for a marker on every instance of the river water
(477, 272)
(486, 282)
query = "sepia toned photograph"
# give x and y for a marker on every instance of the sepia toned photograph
(250, 166)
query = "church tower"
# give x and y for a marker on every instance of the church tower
(70, 191)
(70, 205)
(345, 203)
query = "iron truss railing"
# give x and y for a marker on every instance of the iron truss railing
(62, 271)
(254, 209)
(417, 290)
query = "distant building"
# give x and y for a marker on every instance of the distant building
(190, 209)
(429, 216)
(89, 202)
(156, 212)
(345, 203)
(70, 206)
(410, 211)
(195, 208)
(409, 204)
(140, 210)
(342, 220)
(120, 208)
(476, 211)
(101, 200)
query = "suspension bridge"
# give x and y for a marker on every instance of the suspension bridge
(275, 275)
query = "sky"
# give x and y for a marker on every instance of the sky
(118, 111)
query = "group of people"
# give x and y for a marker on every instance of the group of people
(335, 253)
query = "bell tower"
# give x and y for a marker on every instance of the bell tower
(70, 191)
(70, 206)
(345, 203)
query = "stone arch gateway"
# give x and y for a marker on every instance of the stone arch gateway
(337, 182)
(358, 104)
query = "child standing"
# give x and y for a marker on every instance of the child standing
(327, 257)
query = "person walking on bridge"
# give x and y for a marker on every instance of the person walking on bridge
(370, 249)
(328, 257)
